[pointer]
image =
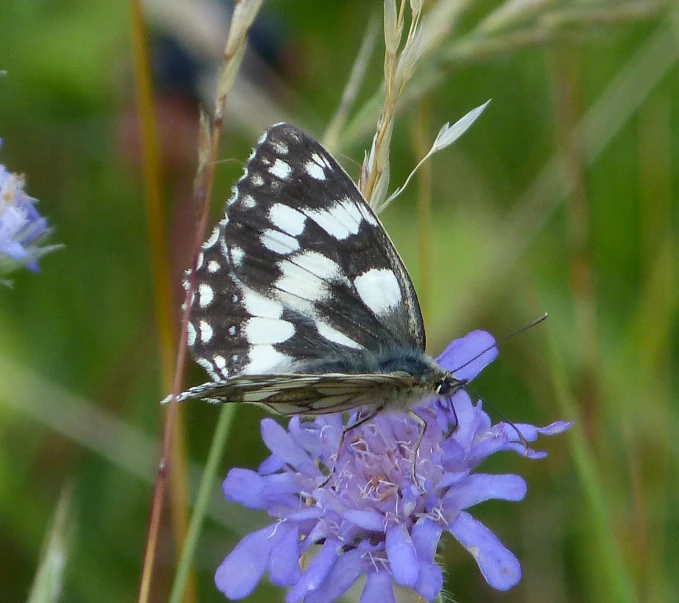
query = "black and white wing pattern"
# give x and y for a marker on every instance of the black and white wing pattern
(300, 278)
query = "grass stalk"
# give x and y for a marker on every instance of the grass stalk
(243, 15)
(201, 505)
(611, 576)
(421, 141)
(162, 292)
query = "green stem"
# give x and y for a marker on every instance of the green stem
(202, 500)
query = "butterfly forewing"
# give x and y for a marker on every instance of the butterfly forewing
(299, 274)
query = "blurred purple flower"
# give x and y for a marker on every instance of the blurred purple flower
(22, 228)
(370, 517)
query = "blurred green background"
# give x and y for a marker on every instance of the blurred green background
(560, 199)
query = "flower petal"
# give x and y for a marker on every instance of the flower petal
(367, 519)
(425, 536)
(345, 571)
(284, 557)
(240, 572)
(281, 443)
(479, 487)
(316, 573)
(468, 356)
(271, 464)
(556, 428)
(378, 588)
(499, 566)
(245, 487)
(405, 566)
(430, 581)
(256, 492)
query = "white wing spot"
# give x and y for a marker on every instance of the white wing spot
(234, 192)
(205, 295)
(199, 260)
(266, 359)
(304, 278)
(237, 255)
(298, 282)
(213, 266)
(258, 305)
(279, 242)
(314, 170)
(368, 215)
(209, 368)
(351, 207)
(235, 357)
(232, 330)
(248, 201)
(280, 147)
(220, 362)
(332, 334)
(190, 334)
(213, 238)
(379, 290)
(266, 331)
(295, 302)
(287, 219)
(206, 331)
(224, 248)
(256, 180)
(340, 220)
(280, 169)
(319, 265)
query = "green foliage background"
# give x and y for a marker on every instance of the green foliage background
(79, 362)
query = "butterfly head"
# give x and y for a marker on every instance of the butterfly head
(448, 385)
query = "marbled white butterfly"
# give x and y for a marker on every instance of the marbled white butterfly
(302, 303)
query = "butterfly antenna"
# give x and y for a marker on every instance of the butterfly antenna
(523, 440)
(506, 338)
(470, 390)
(530, 325)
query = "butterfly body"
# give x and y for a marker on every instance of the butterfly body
(301, 303)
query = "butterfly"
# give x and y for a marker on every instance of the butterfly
(302, 303)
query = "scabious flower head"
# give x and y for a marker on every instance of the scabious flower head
(372, 516)
(22, 229)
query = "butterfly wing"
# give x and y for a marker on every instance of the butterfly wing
(299, 270)
(294, 394)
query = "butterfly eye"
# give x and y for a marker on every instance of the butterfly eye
(448, 386)
(444, 388)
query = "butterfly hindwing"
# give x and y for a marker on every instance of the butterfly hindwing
(299, 270)
(293, 394)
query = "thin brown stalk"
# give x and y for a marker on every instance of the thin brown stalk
(243, 16)
(162, 301)
(377, 162)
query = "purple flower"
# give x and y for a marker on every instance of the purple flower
(22, 228)
(370, 516)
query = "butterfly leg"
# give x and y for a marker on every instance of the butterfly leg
(362, 421)
(423, 427)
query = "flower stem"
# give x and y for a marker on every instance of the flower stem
(202, 500)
